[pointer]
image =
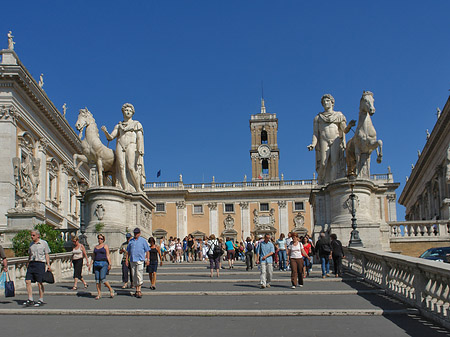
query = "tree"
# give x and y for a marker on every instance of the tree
(21, 241)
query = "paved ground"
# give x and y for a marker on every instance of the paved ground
(189, 303)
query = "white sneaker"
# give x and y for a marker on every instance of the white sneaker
(293, 287)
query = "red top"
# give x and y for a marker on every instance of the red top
(307, 248)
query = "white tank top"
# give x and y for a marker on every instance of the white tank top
(77, 254)
(296, 251)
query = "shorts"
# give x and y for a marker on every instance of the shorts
(230, 254)
(35, 271)
(100, 270)
(152, 267)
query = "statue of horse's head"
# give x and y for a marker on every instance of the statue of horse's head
(366, 103)
(84, 119)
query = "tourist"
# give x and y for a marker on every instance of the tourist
(323, 249)
(4, 261)
(241, 251)
(172, 250)
(264, 256)
(101, 265)
(190, 244)
(288, 242)
(126, 268)
(230, 252)
(179, 250)
(222, 246)
(295, 253)
(249, 251)
(213, 255)
(337, 253)
(306, 257)
(138, 255)
(162, 244)
(205, 248)
(185, 255)
(282, 252)
(152, 267)
(78, 253)
(38, 262)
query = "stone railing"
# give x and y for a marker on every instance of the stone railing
(420, 283)
(430, 230)
(61, 265)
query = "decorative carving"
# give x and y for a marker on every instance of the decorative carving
(181, 204)
(244, 204)
(299, 220)
(282, 203)
(8, 113)
(391, 197)
(94, 151)
(264, 222)
(64, 107)
(145, 217)
(212, 205)
(43, 145)
(26, 176)
(26, 141)
(228, 222)
(100, 212)
(360, 147)
(41, 81)
(11, 42)
(65, 167)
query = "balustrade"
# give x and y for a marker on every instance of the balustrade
(413, 230)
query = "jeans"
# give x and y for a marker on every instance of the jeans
(266, 273)
(100, 269)
(249, 260)
(282, 259)
(325, 261)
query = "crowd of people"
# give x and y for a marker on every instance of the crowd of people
(291, 253)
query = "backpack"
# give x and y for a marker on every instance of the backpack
(326, 247)
(217, 250)
(249, 247)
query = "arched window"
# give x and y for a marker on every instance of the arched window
(265, 167)
(263, 137)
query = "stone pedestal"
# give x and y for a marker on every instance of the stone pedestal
(114, 212)
(332, 211)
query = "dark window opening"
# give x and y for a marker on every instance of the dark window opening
(263, 137)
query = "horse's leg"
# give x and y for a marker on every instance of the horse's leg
(82, 158)
(100, 171)
(379, 151)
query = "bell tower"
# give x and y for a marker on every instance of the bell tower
(264, 153)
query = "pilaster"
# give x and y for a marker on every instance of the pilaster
(181, 219)
(283, 217)
(245, 219)
(213, 219)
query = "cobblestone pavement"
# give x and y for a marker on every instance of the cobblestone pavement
(188, 302)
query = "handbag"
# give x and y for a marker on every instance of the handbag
(9, 287)
(48, 277)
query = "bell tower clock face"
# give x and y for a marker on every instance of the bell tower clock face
(264, 151)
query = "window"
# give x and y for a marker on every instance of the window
(160, 207)
(264, 207)
(198, 209)
(229, 208)
(299, 206)
(263, 137)
(265, 167)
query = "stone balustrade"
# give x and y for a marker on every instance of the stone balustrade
(429, 230)
(420, 283)
(61, 265)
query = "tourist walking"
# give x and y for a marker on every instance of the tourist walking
(179, 250)
(231, 253)
(323, 249)
(214, 255)
(101, 266)
(78, 253)
(282, 252)
(296, 253)
(190, 248)
(307, 259)
(249, 253)
(126, 268)
(137, 256)
(264, 256)
(337, 253)
(38, 263)
(152, 267)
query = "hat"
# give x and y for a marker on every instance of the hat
(128, 235)
(136, 230)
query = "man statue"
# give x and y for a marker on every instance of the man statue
(11, 42)
(328, 139)
(129, 150)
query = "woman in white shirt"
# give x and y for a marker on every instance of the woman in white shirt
(295, 251)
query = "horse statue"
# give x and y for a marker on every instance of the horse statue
(360, 147)
(94, 151)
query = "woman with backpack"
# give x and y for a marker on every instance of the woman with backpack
(214, 248)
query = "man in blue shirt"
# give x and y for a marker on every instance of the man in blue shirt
(264, 253)
(138, 254)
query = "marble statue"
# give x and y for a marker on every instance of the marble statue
(41, 81)
(360, 147)
(64, 109)
(328, 139)
(94, 151)
(129, 150)
(26, 176)
(11, 43)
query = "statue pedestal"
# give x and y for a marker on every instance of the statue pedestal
(332, 212)
(114, 212)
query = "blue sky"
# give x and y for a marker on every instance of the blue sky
(193, 70)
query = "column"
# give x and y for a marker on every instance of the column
(8, 139)
(181, 219)
(283, 217)
(213, 219)
(245, 219)
(64, 194)
(42, 155)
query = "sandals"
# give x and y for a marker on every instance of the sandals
(98, 297)
(74, 288)
(138, 294)
(86, 285)
(111, 295)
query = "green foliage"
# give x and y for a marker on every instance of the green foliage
(98, 227)
(21, 241)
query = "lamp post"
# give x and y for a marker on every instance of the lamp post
(80, 197)
(355, 240)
